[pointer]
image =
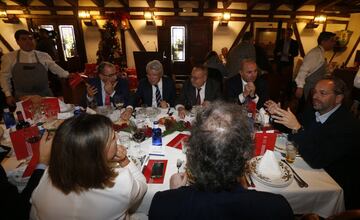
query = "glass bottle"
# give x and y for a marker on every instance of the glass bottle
(9, 119)
(156, 134)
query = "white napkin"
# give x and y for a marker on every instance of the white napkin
(269, 166)
(265, 118)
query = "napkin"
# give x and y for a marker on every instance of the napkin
(176, 142)
(264, 117)
(269, 166)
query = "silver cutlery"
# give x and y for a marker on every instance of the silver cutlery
(178, 164)
(297, 178)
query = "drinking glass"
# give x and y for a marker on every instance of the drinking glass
(291, 152)
(31, 137)
(118, 101)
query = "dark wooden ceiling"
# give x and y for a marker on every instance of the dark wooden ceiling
(324, 6)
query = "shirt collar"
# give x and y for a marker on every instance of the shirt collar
(322, 48)
(27, 52)
(159, 84)
(322, 118)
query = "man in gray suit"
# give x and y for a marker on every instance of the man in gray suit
(244, 50)
(198, 90)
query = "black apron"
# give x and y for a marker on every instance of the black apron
(30, 78)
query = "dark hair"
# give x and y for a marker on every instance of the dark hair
(100, 68)
(211, 54)
(247, 60)
(219, 146)
(325, 35)
(201, 67)
(78, 159)
(20, 32)
(340, 87)
(247, 36)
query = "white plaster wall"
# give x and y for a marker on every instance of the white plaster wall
(8, 31)
(224, 36)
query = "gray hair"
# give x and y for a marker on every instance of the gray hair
(102, 65)
(247, 60)
(156, 66)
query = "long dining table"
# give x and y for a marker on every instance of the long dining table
(323, 196)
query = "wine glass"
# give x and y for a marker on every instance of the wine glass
(118, 101)
(138, 136)
(31, 137)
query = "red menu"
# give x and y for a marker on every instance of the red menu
(148, 169)
(18, 140)
(50, 105)
(264, 141)
(176, 142)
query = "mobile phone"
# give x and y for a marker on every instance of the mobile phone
(157, 170)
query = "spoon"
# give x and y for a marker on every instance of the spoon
(178, 164)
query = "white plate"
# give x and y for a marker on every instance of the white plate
(285, 179)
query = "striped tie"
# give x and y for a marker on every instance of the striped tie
(198, 98)
(158, 96)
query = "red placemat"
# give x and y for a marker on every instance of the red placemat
(176, 142)
(147, 172)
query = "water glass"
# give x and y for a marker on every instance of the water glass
(291, 152)
(184, 144)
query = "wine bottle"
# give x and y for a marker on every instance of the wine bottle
(21, 121)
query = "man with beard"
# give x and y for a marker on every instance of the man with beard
(326, 136)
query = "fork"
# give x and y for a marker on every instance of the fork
(297, 178)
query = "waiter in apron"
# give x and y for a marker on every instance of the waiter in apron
(27, 68)
(313, 68)
(314, 65)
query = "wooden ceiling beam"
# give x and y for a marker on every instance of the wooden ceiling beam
(251, 4)
(176, 7)
(327, 4)
(20, 2)
(73, 3)
(2, 4)
(49, 3)
(240, 35)
(99, 3)
(151, 3)
(125, 3)
(226, 3)
(298, 4)
(136, 38)
(201, 7)
(6, 44)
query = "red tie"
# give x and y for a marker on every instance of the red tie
(107, 99)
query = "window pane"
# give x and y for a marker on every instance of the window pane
(178, 43)
(68, 41)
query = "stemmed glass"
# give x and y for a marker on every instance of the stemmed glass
(138, 136)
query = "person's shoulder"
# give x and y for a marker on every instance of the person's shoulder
(267, 199)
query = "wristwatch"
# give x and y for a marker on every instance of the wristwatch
(295, 131)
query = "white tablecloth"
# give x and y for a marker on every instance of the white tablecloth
(323, 196)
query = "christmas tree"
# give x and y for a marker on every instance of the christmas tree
(109, 46)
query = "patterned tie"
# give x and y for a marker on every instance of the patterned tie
(158, 96)
(107, 100)
(198, 98)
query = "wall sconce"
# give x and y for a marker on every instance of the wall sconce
(91, 22)
(149, 17)
(225, 18)
(3, 14)
(320, 19)
(84, 14)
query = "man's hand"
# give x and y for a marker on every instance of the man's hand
(10, 101)
(299, 92)
(181, 112)
(109, 87)
(177, 180)
(251, 88)
(126, 115)
(45, 147)
(91, 90)
(271, 106)
(286, 118)
(164, 104)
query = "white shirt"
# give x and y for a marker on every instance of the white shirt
(322, 118)
(241, 96)
(8, 61)
(160, 85)
(49, 202)
(357, 80)
(103, 93)
(312, 62)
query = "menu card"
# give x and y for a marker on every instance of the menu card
(18, 140)
(176, 142)
(264, 141)
(148, 169)
(51, 106)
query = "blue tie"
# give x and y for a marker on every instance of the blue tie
(158, 96)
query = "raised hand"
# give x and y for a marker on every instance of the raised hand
(91, 90)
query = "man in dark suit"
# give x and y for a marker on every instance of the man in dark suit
(15, 205)
(247, 85)
(285, 52)
(220, 145)
(156, 90)
(107, 89)
(327, 136)
(198, 90)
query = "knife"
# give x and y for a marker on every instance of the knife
(298, 179)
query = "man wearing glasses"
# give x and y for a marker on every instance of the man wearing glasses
(28, 69)
(108, 90)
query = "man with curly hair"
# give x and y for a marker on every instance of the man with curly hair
(219, 147)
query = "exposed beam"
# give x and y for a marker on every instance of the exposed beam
(136, 38)
(125, 3)
(201, 7)
(240, 35)
(6, 44)
(123, 43)
(327, 4)
(298, 39)
(99, 3)
(151, 3)
(251, 4)
(73, 3)
(298, 4)
(48, 3)
(226, 3)
(2, 4)
(176, 7)
(352, 51)
(20, 2)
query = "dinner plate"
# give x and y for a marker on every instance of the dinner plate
(285, 179)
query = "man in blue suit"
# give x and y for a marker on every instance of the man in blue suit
(156, 90)
(107, 89)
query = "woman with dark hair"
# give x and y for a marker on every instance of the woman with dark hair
(89, 175)
(219, 147)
